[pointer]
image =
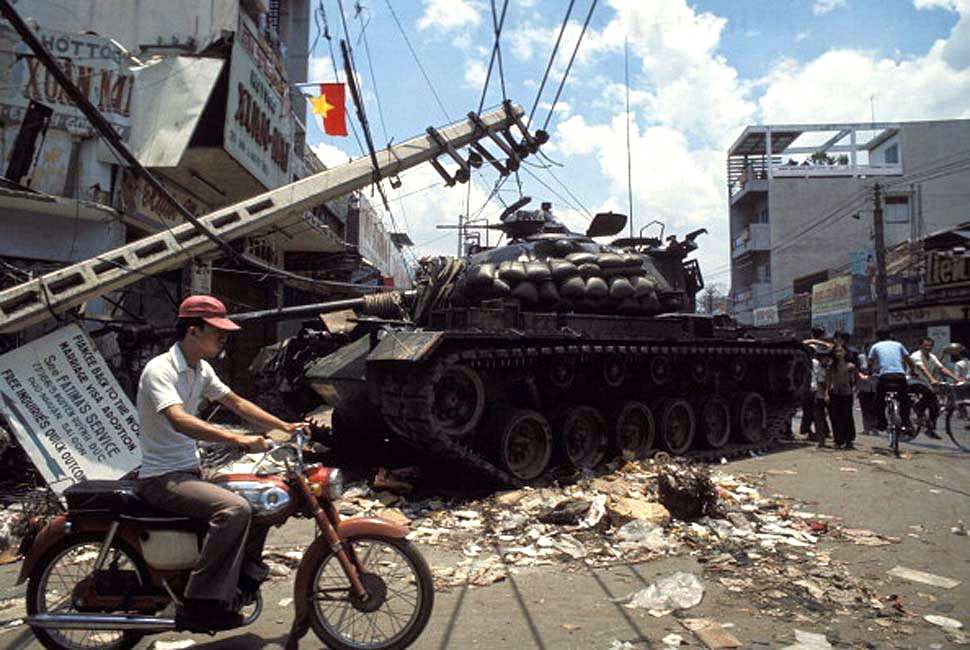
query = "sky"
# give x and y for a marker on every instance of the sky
(699, 72)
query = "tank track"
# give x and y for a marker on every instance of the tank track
(407, 396)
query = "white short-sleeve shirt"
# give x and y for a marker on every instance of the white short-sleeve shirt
(167, 380)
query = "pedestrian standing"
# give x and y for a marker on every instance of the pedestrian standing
(839, 388)
(819, 409)
(866, 390)
(814, 345)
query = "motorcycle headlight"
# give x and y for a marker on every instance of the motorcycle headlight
(325, 480)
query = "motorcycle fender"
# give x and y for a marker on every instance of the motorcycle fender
(320, 548)
(55, 530)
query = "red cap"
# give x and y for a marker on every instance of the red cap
(209, 309)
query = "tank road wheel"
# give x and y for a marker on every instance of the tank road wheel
(524, 444)
(677, 426)
(715, 421)
(614, 371)
(457, 401)
(583, 436)
(737, 369)
(699, 371)
(562, 372)
(633, 429)
(750, 416)
(660, 370)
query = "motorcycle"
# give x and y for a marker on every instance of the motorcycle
(111, 569)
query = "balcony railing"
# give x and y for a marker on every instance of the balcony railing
(758, 294)
(756, 237)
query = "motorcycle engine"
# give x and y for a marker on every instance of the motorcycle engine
(265, 497)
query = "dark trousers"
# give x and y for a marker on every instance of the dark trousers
(894, 381)
(840, 413)
(927, 403)
(821, 422)
(216, 576)
(867, 401)
(808, 415)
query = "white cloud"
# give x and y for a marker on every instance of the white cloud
(449, 14)
(330, 155)
(801, 36)
(475, 73)
(824, 6)
(837, 85)
(320, 69)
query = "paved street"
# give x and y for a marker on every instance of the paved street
(916, 500)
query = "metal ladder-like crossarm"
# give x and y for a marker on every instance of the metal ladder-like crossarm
(58, 291)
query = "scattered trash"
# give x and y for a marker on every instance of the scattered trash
(286, 602)
(621, 645)
(687, 491)
(570, 627)
(848, 469)
(673, 640)
(711, 633)
(921, 576)
(391, 481)
(566, 513)
(570, 546)
(959, 529)
(943, 621)
(644, 534)
(865, 537)
(808, 641)
(678, 590)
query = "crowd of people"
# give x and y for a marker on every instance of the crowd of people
(841, 372)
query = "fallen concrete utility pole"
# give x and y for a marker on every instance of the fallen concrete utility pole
(58, 291)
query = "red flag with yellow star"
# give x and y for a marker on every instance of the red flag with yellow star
(330, 107)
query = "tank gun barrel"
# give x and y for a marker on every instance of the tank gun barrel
(370, 304)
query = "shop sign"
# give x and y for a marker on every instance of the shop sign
(929, 314)
(765, 316)
(93, 63)
(142, 201)
(68, 411)
(945, 271)
(802, 304)
(258, 130)
(832, 296)
(837, 322)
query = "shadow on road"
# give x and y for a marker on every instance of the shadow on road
(640, 636)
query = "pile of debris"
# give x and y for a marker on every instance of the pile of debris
(764, 546)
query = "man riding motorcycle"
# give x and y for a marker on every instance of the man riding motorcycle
(170, 391)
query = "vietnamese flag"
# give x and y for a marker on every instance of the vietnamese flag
(330, 107)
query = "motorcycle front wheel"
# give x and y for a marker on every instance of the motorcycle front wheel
(400, 589)
(52, 584)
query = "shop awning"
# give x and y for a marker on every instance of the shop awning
(169, 96)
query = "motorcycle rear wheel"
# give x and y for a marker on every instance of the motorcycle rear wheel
(394, 570)
(75, 556)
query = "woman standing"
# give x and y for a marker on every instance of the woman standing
(840, 381)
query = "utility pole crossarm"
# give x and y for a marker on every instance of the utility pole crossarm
(60, 290)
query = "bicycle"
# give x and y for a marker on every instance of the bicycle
(956, 406)
(894, 422)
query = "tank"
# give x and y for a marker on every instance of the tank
(551, 350)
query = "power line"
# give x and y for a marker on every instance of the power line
(414, 54)
(370, 67)
(552, 57)
(497, 29)
(562, 84)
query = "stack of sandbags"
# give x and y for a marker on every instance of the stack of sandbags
(586, 282)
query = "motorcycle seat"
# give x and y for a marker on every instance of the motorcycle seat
(118, 498)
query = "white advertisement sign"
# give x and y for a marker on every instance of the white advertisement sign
(765, 316)
(68, 411)
(258, 117)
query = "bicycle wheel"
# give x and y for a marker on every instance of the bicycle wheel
(958, 424)
(895, 423)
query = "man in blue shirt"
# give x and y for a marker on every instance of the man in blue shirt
(888, 360)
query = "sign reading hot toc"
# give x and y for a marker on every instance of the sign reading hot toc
(67, 410)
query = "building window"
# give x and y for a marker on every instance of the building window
(896, 209)
(892, 154)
